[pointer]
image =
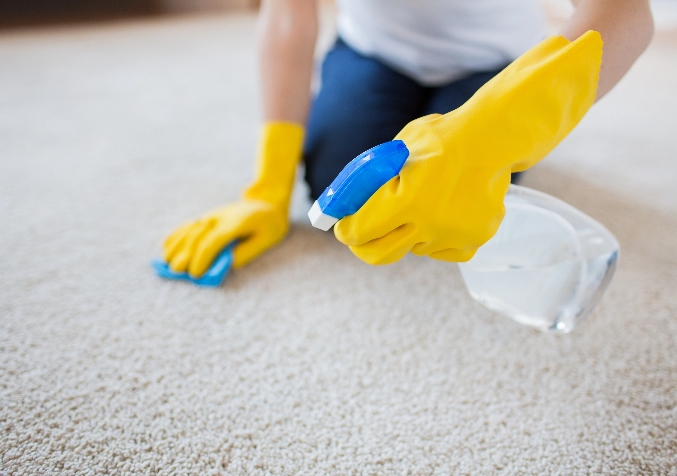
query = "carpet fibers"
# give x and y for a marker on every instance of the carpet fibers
(307, 361)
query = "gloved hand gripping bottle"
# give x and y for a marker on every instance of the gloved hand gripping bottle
(547, 266)
(448, 199)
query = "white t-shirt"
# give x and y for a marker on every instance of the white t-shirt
(437, 41)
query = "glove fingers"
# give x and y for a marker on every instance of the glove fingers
(209, 247)
(181, 261)
(376, 219)
(174, 242)
(455, 255)
(388, 249)
(431, 247)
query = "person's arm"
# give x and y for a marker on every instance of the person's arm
(260, 219)
(287, 36)
(626, 27)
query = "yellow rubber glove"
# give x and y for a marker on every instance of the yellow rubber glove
(448, 199)
(259, 220)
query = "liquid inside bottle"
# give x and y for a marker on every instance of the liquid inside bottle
(547, 266)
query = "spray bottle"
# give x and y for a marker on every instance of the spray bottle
(547, 266)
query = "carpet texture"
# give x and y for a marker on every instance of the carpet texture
(307, 361)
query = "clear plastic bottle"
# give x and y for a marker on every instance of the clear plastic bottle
(547, 266)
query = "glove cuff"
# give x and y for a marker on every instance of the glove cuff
(279, 152)
(520, 115)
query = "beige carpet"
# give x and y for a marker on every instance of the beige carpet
(307, 361)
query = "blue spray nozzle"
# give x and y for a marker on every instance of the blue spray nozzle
(358, 181)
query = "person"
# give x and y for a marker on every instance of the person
(470, 86)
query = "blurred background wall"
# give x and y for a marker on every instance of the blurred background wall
(20, 13)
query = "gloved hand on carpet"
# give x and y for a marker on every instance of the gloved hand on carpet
(448, 199)
(258, 221)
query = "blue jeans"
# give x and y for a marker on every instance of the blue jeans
(363, 103)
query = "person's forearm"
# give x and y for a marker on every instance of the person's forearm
(287, 35)
(626, 27)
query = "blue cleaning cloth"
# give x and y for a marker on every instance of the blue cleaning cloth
(212, 278)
